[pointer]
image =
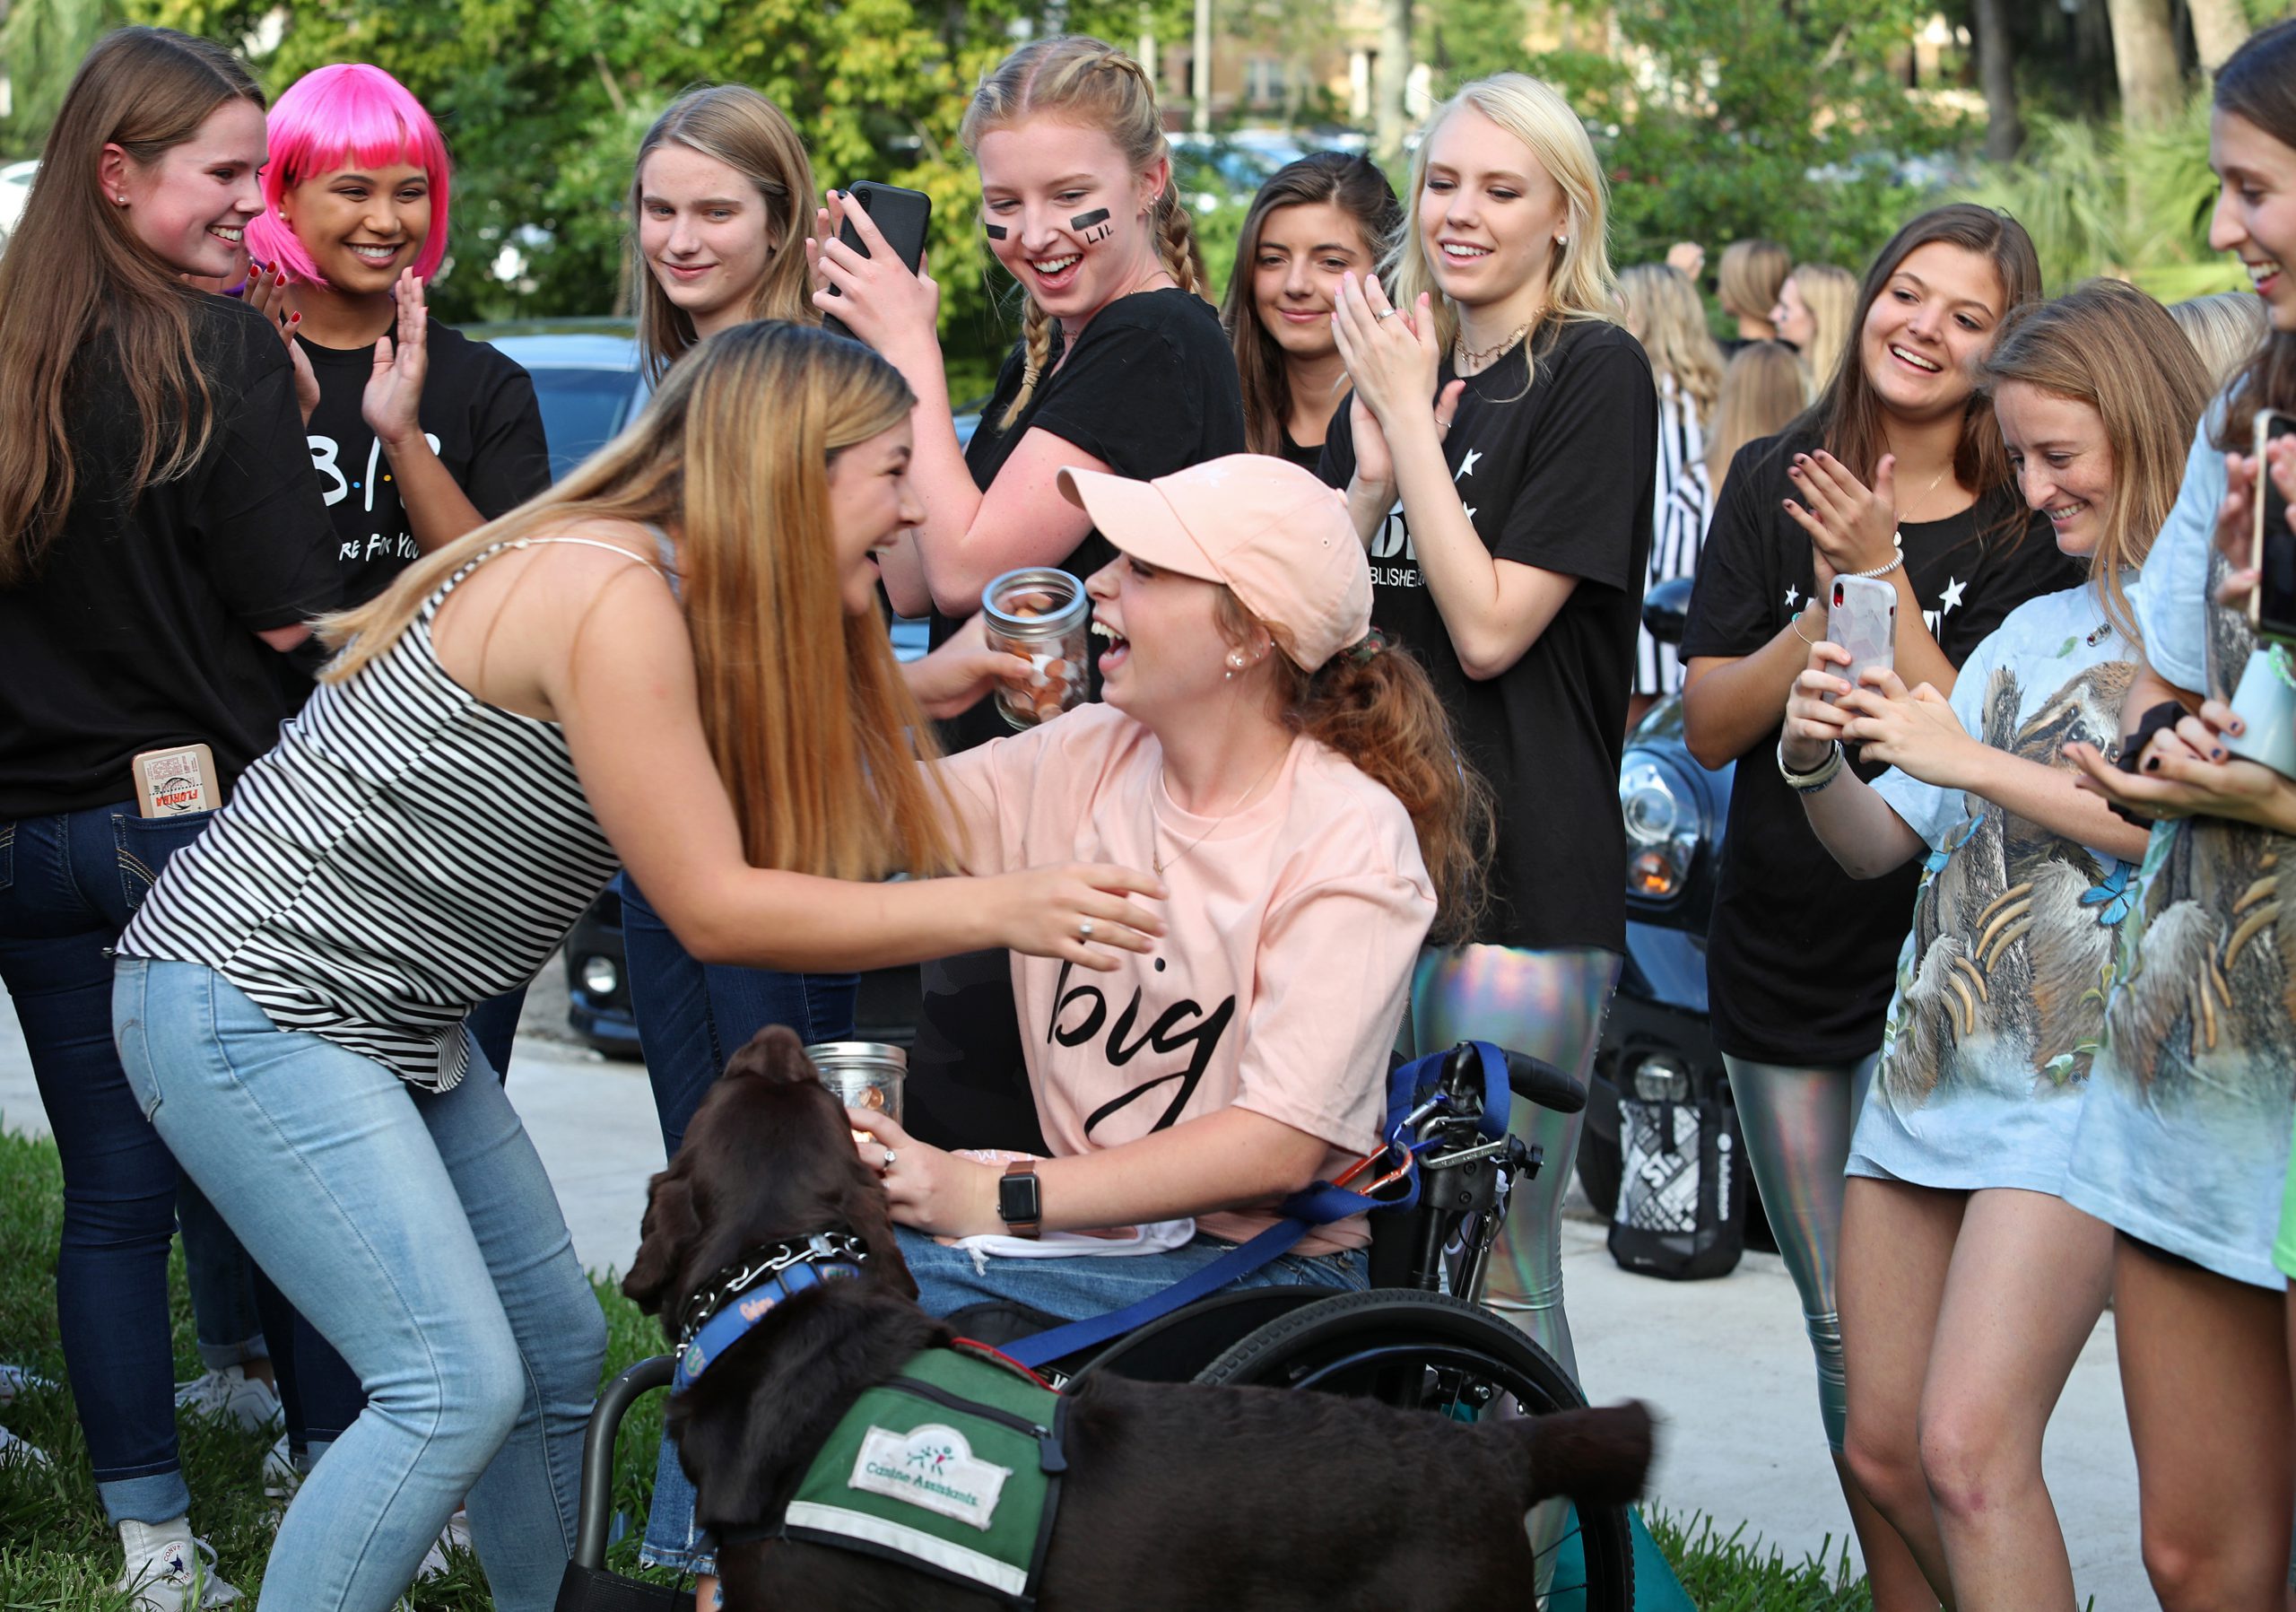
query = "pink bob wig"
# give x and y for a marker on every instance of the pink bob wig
(329, 118)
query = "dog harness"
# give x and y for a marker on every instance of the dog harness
(952, 1467)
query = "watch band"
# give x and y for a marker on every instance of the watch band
(1020, 1199)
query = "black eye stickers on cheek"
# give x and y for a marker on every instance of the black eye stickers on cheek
(1093, 226)
(996, 231)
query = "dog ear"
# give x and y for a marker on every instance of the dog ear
(773, 1054)
(670, 1227)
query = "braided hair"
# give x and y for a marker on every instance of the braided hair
(1092, 83)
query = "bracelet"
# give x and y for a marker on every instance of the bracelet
(1795, 622)
(1810, 783)
(1896, 560)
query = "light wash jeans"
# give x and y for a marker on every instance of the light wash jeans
(419, 1234)
(951, 1279)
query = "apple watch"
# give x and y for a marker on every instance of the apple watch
(1020, 1201)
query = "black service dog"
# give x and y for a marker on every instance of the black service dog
(1176, 1497)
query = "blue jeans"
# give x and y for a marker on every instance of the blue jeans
(693, 1017)
(68, 885)
(948, 1279)
(418, 1232)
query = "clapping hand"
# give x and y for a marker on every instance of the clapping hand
(393, 402)
(265, 291)
(1852, 528)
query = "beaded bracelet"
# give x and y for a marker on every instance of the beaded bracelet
(1896, 560)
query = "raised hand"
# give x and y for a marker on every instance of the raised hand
(1392, 356)
(392, 404)
(1852, 528)
(881, 302)
(265, 291)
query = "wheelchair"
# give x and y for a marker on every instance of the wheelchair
(1413, 1339)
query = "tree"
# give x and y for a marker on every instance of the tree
(2218, 28)
(1996, 64)
(41, 43)
(2144, 55)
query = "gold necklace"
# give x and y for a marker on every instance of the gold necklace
(1156, 857)
(1461, 354)
(1931, 488)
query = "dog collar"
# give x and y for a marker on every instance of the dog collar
(744, 1293)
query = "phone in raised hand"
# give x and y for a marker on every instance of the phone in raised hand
(900, 216)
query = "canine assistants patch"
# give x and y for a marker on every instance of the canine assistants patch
(952, 1467)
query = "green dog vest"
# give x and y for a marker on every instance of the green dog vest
(952, 1467)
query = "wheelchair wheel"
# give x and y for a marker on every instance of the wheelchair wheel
(1427, 1351)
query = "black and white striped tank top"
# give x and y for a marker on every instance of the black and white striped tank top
(405, 852)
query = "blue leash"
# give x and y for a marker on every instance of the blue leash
(1319, 1204)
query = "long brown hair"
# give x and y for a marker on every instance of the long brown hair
(2259, 83)
(2109, 345)
(1764, 386)
(738, 126)
(1848, 414)
(812, 730)
(75, 269)
(1091, 82)
(1356, 187)
(1379, 710)
(1750, 276)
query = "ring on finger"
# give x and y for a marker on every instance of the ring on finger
(885, 1164)
(1083, 929)
(1387, 313)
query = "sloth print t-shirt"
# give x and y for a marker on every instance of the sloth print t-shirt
(1290, 928)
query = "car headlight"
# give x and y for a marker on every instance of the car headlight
(1663, 826)
(599, 975)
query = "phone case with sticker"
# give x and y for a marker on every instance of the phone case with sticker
(176, 781)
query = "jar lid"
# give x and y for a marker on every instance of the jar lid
(1066, 607)
(859, 1052)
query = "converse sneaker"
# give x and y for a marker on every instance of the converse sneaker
(168, 1571)
(249, 1402)
(281, 1476)
(14, 1450)
(15, 1380)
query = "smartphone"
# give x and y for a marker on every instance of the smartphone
(176, 781)
(2272, 607)
(900, 216)
(1864, 620)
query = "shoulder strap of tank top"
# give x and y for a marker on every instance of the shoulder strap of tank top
(611, 548)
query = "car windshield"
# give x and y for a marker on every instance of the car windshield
(582, 410)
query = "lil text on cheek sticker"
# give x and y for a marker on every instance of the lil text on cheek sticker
(1093, 226)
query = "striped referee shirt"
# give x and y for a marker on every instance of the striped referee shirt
(405, 852)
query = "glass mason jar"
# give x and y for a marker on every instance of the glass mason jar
(1044, 614)
(863, 1074)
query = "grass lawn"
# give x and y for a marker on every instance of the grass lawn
(58, 1556)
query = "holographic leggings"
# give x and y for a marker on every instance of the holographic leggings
(1550, 1004)
(1797, 1124)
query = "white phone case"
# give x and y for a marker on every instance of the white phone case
(1864, 620)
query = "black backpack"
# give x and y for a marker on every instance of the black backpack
(1682, 1194)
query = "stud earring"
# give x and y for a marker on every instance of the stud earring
(1562, 240)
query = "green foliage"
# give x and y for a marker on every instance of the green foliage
(1746, 117)
(41, 42)
(1728, 1572)
(2100, 201)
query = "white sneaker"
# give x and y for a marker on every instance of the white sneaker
(455, 1536)
(15, 1380)
(250, 1401)
(13, 1449)
(280, 1477)
(168, 1571)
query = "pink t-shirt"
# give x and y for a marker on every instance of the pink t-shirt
(1291, 931)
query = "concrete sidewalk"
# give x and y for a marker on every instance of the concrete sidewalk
(1725, 1361)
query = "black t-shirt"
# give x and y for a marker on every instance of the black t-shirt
(1556, 473)
(1150, 389)
(1308, 456)
(138, 627)
(1802, 958)
(479, 413)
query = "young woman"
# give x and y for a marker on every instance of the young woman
(722, 194)
(1814, 311)
(1968, 1286)
(1747, 284)
(2183, 1146)
(1314, 220)
(1663, 312)
(1942, 523)
(1293, 778)
(1513, 570)
(1122, 366)
(544, 704)
(161, 544)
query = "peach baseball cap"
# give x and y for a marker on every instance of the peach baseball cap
(1279, 539)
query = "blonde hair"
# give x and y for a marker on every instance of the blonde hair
(734, 125)
(2106, 345)
(1763, 388)
(1579, 282)
(1753, 274)
(2225, 329)
(1830, 294)
(1091, 83)
(810, 723)
(1665, 315)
